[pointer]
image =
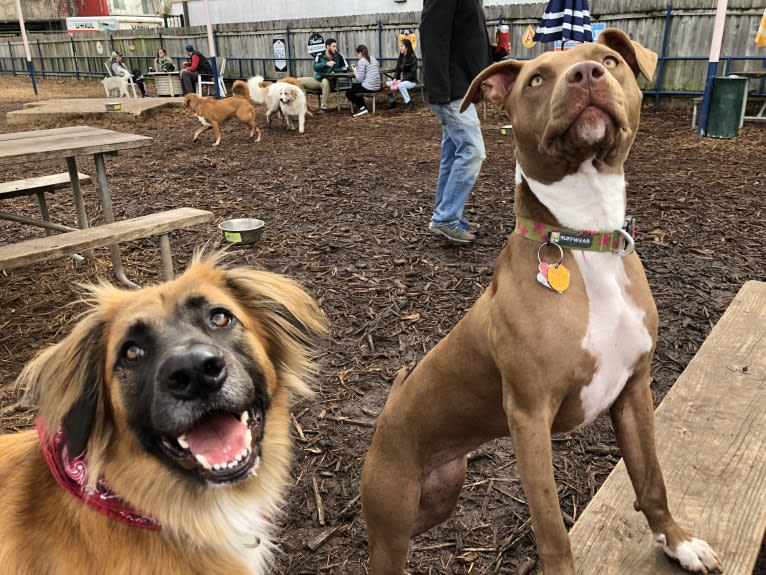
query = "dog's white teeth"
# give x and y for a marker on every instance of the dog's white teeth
(182, 441)
(244, 418)
(203, 461)
(248, 437)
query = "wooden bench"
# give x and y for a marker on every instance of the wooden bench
(50, 247)
(38, 186)
(711, 441)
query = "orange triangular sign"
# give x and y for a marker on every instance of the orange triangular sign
(528, 40)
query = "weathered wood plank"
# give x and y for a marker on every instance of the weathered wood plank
(37, 184)
(711, 441)
(50, 247)
(35, 147)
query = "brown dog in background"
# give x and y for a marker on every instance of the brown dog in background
(212, 113)
(163, 434)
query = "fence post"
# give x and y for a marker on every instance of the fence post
(74, 58)
(289, 51)
(13, 61)
(380, 41)
(663, 54)
(40, 55)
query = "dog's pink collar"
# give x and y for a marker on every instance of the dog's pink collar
(71, 474)
(619, 242)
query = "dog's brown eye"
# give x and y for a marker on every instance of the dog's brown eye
(221, 318)
(132, 352)
(610, 62)
(536, 80)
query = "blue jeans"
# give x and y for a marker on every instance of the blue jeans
(462, 152)
(404, 87)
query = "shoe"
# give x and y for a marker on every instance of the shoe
(458, 234)
(362, 111)
(392, 104)
(472, 227)
(322, 111)
(410, 106)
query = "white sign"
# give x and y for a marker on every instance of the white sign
(280, 53)
(315, 45)
(109, 23)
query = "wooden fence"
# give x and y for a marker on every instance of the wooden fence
(680, 33)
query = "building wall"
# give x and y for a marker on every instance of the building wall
(232, 11)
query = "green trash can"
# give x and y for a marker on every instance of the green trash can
(727, 106)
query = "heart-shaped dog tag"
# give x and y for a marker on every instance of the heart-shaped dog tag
(558, 277)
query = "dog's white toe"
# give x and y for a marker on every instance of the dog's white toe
(695, 556)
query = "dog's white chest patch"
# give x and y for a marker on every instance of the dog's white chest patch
(616, 335)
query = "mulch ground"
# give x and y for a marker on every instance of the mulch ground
(346, 208)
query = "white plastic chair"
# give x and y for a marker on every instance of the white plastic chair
(131, 83)
(207, 80)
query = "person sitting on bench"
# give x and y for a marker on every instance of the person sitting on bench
(405, 75)
(327, 61)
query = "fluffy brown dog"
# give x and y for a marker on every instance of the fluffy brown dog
(212, 113)
(164, 425)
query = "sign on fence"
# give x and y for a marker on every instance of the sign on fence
(280, 53)
(315, 44)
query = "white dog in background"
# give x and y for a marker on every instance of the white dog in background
(117, 84)
(292, 102)
(270, 94)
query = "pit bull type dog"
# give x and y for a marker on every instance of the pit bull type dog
(565, 330)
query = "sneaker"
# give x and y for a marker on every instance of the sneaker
(322, 111)
(472, 227)
(362, 111)
(410, 106)
(458, 234)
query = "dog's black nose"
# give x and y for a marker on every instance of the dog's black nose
(585, 73)
(194, 372)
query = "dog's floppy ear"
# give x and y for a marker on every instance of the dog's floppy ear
(290, 317)
(495, 82)
(639, 59)
(67, 382)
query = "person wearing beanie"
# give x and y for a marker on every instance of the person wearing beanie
(196, 65)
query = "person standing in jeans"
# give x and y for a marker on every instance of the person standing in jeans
(455, 47)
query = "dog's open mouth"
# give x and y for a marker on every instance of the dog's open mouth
(222, 447)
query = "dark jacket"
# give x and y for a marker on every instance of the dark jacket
(320, 64)
(407, 68)
(455, 46)
(203, 64)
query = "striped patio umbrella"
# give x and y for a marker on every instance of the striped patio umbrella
(565, 20)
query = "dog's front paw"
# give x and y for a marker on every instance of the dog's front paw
(694, 555)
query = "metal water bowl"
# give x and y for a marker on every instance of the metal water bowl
(242, 230)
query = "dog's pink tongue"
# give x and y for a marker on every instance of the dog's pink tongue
(219, 438)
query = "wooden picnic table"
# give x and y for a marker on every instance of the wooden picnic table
(68, 143)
